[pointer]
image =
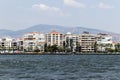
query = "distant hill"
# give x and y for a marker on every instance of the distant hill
(47, 28)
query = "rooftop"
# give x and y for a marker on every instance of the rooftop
(55, 32)
(34, 32)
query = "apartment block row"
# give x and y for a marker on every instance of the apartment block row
(77, 42)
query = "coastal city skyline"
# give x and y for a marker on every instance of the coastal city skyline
(55, 41)
(59, 40)
(103, 15)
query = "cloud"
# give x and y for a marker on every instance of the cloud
(74, 3)
(43, 7)
(105, 6)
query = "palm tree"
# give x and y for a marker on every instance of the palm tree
(71, 44)
(78, 47)
(45, 47)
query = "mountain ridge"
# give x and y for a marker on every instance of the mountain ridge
(45, 28)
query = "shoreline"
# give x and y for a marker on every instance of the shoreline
(117, 53)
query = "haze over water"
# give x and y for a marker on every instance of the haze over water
(59, 67)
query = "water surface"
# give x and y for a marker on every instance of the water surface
(59, 67)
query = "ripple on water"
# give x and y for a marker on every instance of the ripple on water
(62, 67)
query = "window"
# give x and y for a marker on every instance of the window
(31, 43)
(109, 40)
(3, 39)
(30, 36)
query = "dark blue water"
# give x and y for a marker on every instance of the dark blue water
(59, 67)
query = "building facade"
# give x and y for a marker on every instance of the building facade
(54, 38)
(20, 44)
(87, 42)
(7, 44)
(34, 41)
(71, 41)
(103, 41)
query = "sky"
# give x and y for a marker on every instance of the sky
(96, 14)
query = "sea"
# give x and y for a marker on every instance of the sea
(59, 67)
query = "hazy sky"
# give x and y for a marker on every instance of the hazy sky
(98, 14)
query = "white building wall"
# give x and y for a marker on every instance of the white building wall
(103, 40)
(37, 39)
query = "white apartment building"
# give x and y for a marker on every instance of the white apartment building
(103, 40)
(71, 40)
(34, 40)
(87, 42)
(54, 37)
(7, 44)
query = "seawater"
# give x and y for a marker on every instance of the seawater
(59, 67)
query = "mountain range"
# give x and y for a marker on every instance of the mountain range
(44, 28)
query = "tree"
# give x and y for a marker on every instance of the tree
(78, 47)
(71, 44)
(45, 47)
(61, 49)
(117, 47)
(68, 49)
(54, 48)
(108, 47)
(109, 50)
(64, 46)
(36, 49)
(48, 48)
(95, 47)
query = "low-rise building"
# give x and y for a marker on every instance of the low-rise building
(7, 44)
